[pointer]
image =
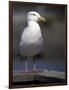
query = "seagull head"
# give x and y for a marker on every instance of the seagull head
(32, 15)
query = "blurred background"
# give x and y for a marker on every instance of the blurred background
(53, 32)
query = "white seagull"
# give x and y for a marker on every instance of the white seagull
(31, 38)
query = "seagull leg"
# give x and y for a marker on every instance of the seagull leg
(26, 66)
(34, 64)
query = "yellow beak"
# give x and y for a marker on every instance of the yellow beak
(42, 19)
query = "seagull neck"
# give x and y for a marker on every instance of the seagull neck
(31, 22)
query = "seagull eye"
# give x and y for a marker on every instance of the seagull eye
(33, 14)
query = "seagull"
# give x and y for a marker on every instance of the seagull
(31, 40)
